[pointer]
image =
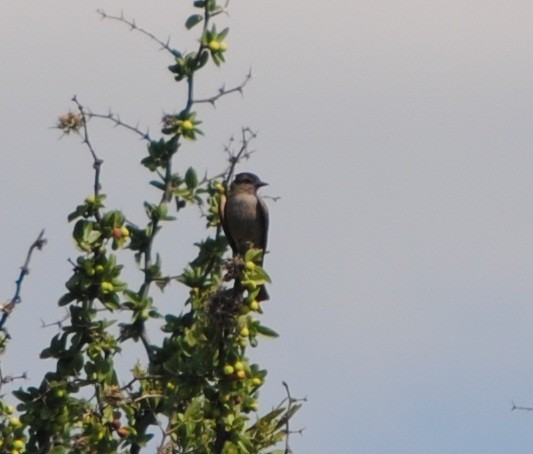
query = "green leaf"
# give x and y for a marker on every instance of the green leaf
(191, 179)
(266, 331)
(158, 184)
(204, 57)
(223, 34)
(193, 20)
(66, 299)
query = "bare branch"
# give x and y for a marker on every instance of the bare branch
(118, 122)
(8, 307)
(97, 162)
(222, 91)
(515, 407)
(133, 26)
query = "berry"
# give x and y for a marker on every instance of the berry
(214, 45)
(106, 287)
(187, 125)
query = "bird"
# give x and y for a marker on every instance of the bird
(244, 218)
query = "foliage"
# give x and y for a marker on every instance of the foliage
(198, 390)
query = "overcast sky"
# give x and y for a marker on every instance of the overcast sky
(399, 138)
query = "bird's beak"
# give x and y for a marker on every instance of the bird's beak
(261, 184)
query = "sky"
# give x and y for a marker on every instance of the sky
(397, 136)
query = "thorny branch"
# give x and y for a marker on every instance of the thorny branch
(290, 400)
(8, 307)
(134, 26)
(516, 407)
(115, 118)
(222, 91)
(97, 164)
(11, 378)
(244, 152)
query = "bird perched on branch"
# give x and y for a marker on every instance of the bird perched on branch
(244, 217)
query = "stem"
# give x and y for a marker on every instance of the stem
(24, 271)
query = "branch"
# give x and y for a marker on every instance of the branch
(515, 407)
(288, 414)
(59, 323)
(222, 91)
(244, 152)
(289, 406)
(11, 378)
(97, 161)
(118, 122)
(24, 271)
(133, 26)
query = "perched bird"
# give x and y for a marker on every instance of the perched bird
(244, 217)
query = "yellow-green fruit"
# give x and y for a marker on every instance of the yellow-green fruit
(239, 365)
(170, 386)
(214, 45)
(90, 199)
(249, 265)
(125, 232)
(98, 269)
(254, 305)
(10, 409)
(60, 393)
(222, 47)
(19, 444)
(257, 381)
(253, 406)
(187, 125)
(228, 369)
(15, 422)
(251, 285)
(106, 287)
(245, 332)
(241, 374)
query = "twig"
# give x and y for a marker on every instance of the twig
(97, 162)
(11, 378)
(247, 135)
(118, 122)
(134, 26)
(515, 407)
(222, 91)
(24, 271)
(289, 406)
(59, 323)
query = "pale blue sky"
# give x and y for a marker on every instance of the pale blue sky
(397, 134)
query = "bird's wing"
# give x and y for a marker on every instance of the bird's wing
(222, 214)
(263, 215)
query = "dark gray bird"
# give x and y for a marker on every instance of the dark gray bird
(244, 217)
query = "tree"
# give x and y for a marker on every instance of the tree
(197, 391)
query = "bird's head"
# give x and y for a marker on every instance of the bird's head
(247, 181)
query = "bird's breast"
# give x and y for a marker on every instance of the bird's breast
(243, 221)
